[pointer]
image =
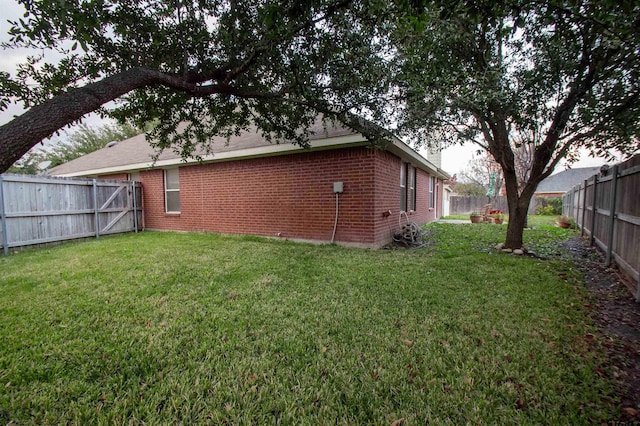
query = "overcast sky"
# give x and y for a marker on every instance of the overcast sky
(454, 159)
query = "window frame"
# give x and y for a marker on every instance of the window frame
(412, 176)
(173, 190)
(408, 182)
(403, 187)
(432, 192)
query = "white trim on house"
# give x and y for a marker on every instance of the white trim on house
(398, 148)
(260, 151)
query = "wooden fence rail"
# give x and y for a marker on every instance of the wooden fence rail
(41, 209)
(465, 204)
(606, 208)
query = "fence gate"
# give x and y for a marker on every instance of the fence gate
(37, 210)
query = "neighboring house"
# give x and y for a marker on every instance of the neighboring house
(558, 184)
(249, 186)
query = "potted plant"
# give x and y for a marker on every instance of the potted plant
(498, 218)
(475, 217)
(566, 222)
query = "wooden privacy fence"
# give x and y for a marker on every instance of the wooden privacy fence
(39, 209)
(606, 207)
(465, 204)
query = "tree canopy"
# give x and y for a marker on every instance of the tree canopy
(215, 66)
(550, 75)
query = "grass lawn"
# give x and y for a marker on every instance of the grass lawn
(198, 328)
(532, 220)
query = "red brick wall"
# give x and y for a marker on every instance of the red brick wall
(388, 198)
(290, 196)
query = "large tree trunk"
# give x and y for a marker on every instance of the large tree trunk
(518, 208)
(41, 121)
(518, 202)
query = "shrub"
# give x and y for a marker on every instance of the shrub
(549, 206)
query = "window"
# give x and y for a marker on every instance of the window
(403, 187)
(432, 192)
(411, 187)
(172, 191)
(407, 187)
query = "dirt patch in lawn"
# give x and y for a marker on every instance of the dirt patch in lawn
(618, 315)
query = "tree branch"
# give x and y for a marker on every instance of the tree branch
(41, 121)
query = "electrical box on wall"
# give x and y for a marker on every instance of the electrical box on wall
(337, 187)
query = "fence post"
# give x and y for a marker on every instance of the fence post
(3, 218)
(584, 207)
(592, 234)
(612, 213)
(135, 207)
(96, 208)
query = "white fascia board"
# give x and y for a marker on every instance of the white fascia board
(260, 151)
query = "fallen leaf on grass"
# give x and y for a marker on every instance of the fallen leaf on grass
(631, 411)
(398, 422)
(408, 342)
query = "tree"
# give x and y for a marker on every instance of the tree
(218, 67)
(82, 141)
(563, 74)
(87, 139)
(472, 189)
(480, 170)
(29, 164)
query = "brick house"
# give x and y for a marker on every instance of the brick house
(249, 186)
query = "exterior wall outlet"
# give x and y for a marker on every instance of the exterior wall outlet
(337, 187)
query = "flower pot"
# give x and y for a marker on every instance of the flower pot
(498, 221)
(564, 225)
(475, 218)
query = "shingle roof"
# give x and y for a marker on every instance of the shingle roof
(565, 180)
(136, 154)
(136, 150)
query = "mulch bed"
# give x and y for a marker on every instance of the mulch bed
(615, 311)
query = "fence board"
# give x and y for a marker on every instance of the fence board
(609, 213)
(465, 204)
(37, 209)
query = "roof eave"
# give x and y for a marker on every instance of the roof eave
(405, 152)
(247, 153)
(397, 147)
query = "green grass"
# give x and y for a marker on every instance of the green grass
(197, 328)
(532, 220)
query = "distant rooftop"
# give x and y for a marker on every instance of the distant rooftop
(567, 179)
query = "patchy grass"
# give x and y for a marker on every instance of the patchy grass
(198, 328)
(533, 220)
